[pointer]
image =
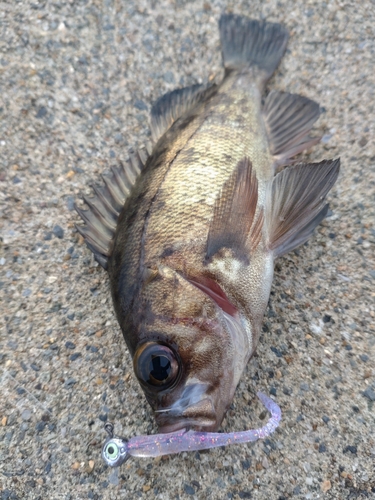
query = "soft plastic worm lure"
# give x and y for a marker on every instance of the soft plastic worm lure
(117, 450)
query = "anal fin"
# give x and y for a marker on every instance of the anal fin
(296, 203)
(233, 224)
(289, 119)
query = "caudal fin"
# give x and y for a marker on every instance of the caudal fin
(246, 42)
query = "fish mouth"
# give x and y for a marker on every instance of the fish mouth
(188, 425)
(198, 417)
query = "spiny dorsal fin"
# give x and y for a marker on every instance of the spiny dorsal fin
(289, 119)
(105, 207)
(171, 106)
(296, 203)
(234, 213)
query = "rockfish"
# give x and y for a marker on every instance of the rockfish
(189, 228)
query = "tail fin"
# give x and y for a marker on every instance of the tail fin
(246, 42)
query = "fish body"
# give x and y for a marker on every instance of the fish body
(191, 244)
(190, 165)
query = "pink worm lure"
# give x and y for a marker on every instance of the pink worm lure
(117, 450)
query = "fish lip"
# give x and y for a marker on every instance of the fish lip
(199, 416)
(188, 424)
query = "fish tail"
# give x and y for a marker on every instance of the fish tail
(249, 43)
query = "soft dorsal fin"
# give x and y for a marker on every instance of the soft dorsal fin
(296, 203)
(105, 207)
(234, 214)
(171, 106)
(289, 119)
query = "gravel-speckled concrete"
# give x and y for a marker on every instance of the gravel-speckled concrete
(76, 82)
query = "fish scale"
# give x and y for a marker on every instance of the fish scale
(184, 191)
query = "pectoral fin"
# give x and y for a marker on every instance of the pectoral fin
(233, 224)
(296, 203)
(289, 119)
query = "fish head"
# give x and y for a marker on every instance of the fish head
(190, 356)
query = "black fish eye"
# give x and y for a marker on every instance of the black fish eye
(156, 366)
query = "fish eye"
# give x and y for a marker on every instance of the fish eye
(156, 366)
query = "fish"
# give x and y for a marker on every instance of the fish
(189, 227)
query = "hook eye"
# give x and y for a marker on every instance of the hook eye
(115, 452)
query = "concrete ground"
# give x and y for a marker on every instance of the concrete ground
(77, 79)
